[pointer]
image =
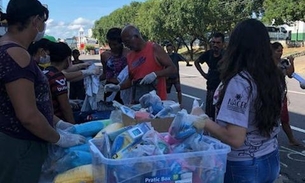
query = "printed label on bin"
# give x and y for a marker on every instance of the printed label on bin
(170, 178)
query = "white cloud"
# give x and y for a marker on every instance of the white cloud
(60, 29)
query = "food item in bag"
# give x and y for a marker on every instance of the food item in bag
(76, 175)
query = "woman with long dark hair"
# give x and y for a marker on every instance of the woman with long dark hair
(26, 117)
(249, 102)
(287, 67)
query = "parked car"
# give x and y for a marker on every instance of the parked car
(278, 33)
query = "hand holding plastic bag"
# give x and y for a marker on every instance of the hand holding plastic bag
(200, 121)
(182, 126)
(196, 109)
(201, 118)
(67, 139)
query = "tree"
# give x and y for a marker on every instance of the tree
(283, 11)
(148, 20)
(179, 21)
(118, 18)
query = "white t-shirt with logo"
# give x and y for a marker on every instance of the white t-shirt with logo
(237, 108)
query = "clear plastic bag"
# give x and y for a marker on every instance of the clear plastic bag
(72, 159)
(151, 101)
(181, 127)
(116, 116)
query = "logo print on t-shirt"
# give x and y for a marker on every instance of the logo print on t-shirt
(62, 82)
(237, 104)
(138, 62)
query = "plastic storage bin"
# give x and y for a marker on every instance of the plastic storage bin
(193, 167)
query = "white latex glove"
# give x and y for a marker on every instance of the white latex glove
(201, 117)
(197, 111)
(67, 139)
(91, 71)
(149, 78)
(62, 125)
(200, 121)
(111, 88)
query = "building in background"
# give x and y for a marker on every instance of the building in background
(72, 42)
(90, 33)
(84, 43)
(298, 31)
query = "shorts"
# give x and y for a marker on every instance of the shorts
(284, 113)
(173, 81)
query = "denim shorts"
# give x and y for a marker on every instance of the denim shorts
(264, 169)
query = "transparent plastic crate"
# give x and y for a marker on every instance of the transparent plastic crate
(193, 167)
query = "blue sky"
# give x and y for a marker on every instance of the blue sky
(67, 16)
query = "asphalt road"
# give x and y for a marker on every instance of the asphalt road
(292, 158)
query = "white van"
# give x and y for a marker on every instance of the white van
(277, 33)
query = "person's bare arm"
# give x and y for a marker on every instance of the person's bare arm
(231, 134)
(77, 67)
(26, 110)
(22, 95)
(73, 76)
(126, 84)
(66, 108)
(55, 120)
(104, 56)
(199, 68)
(163, 58)
(181, 58)
(24, 102)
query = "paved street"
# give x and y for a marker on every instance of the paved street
(292, 158)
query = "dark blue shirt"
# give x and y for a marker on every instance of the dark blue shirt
(10, 71)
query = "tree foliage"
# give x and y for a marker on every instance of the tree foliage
(118, 18)
(283, 11)
(184, 21)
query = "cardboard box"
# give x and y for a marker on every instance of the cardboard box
(160, 124)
